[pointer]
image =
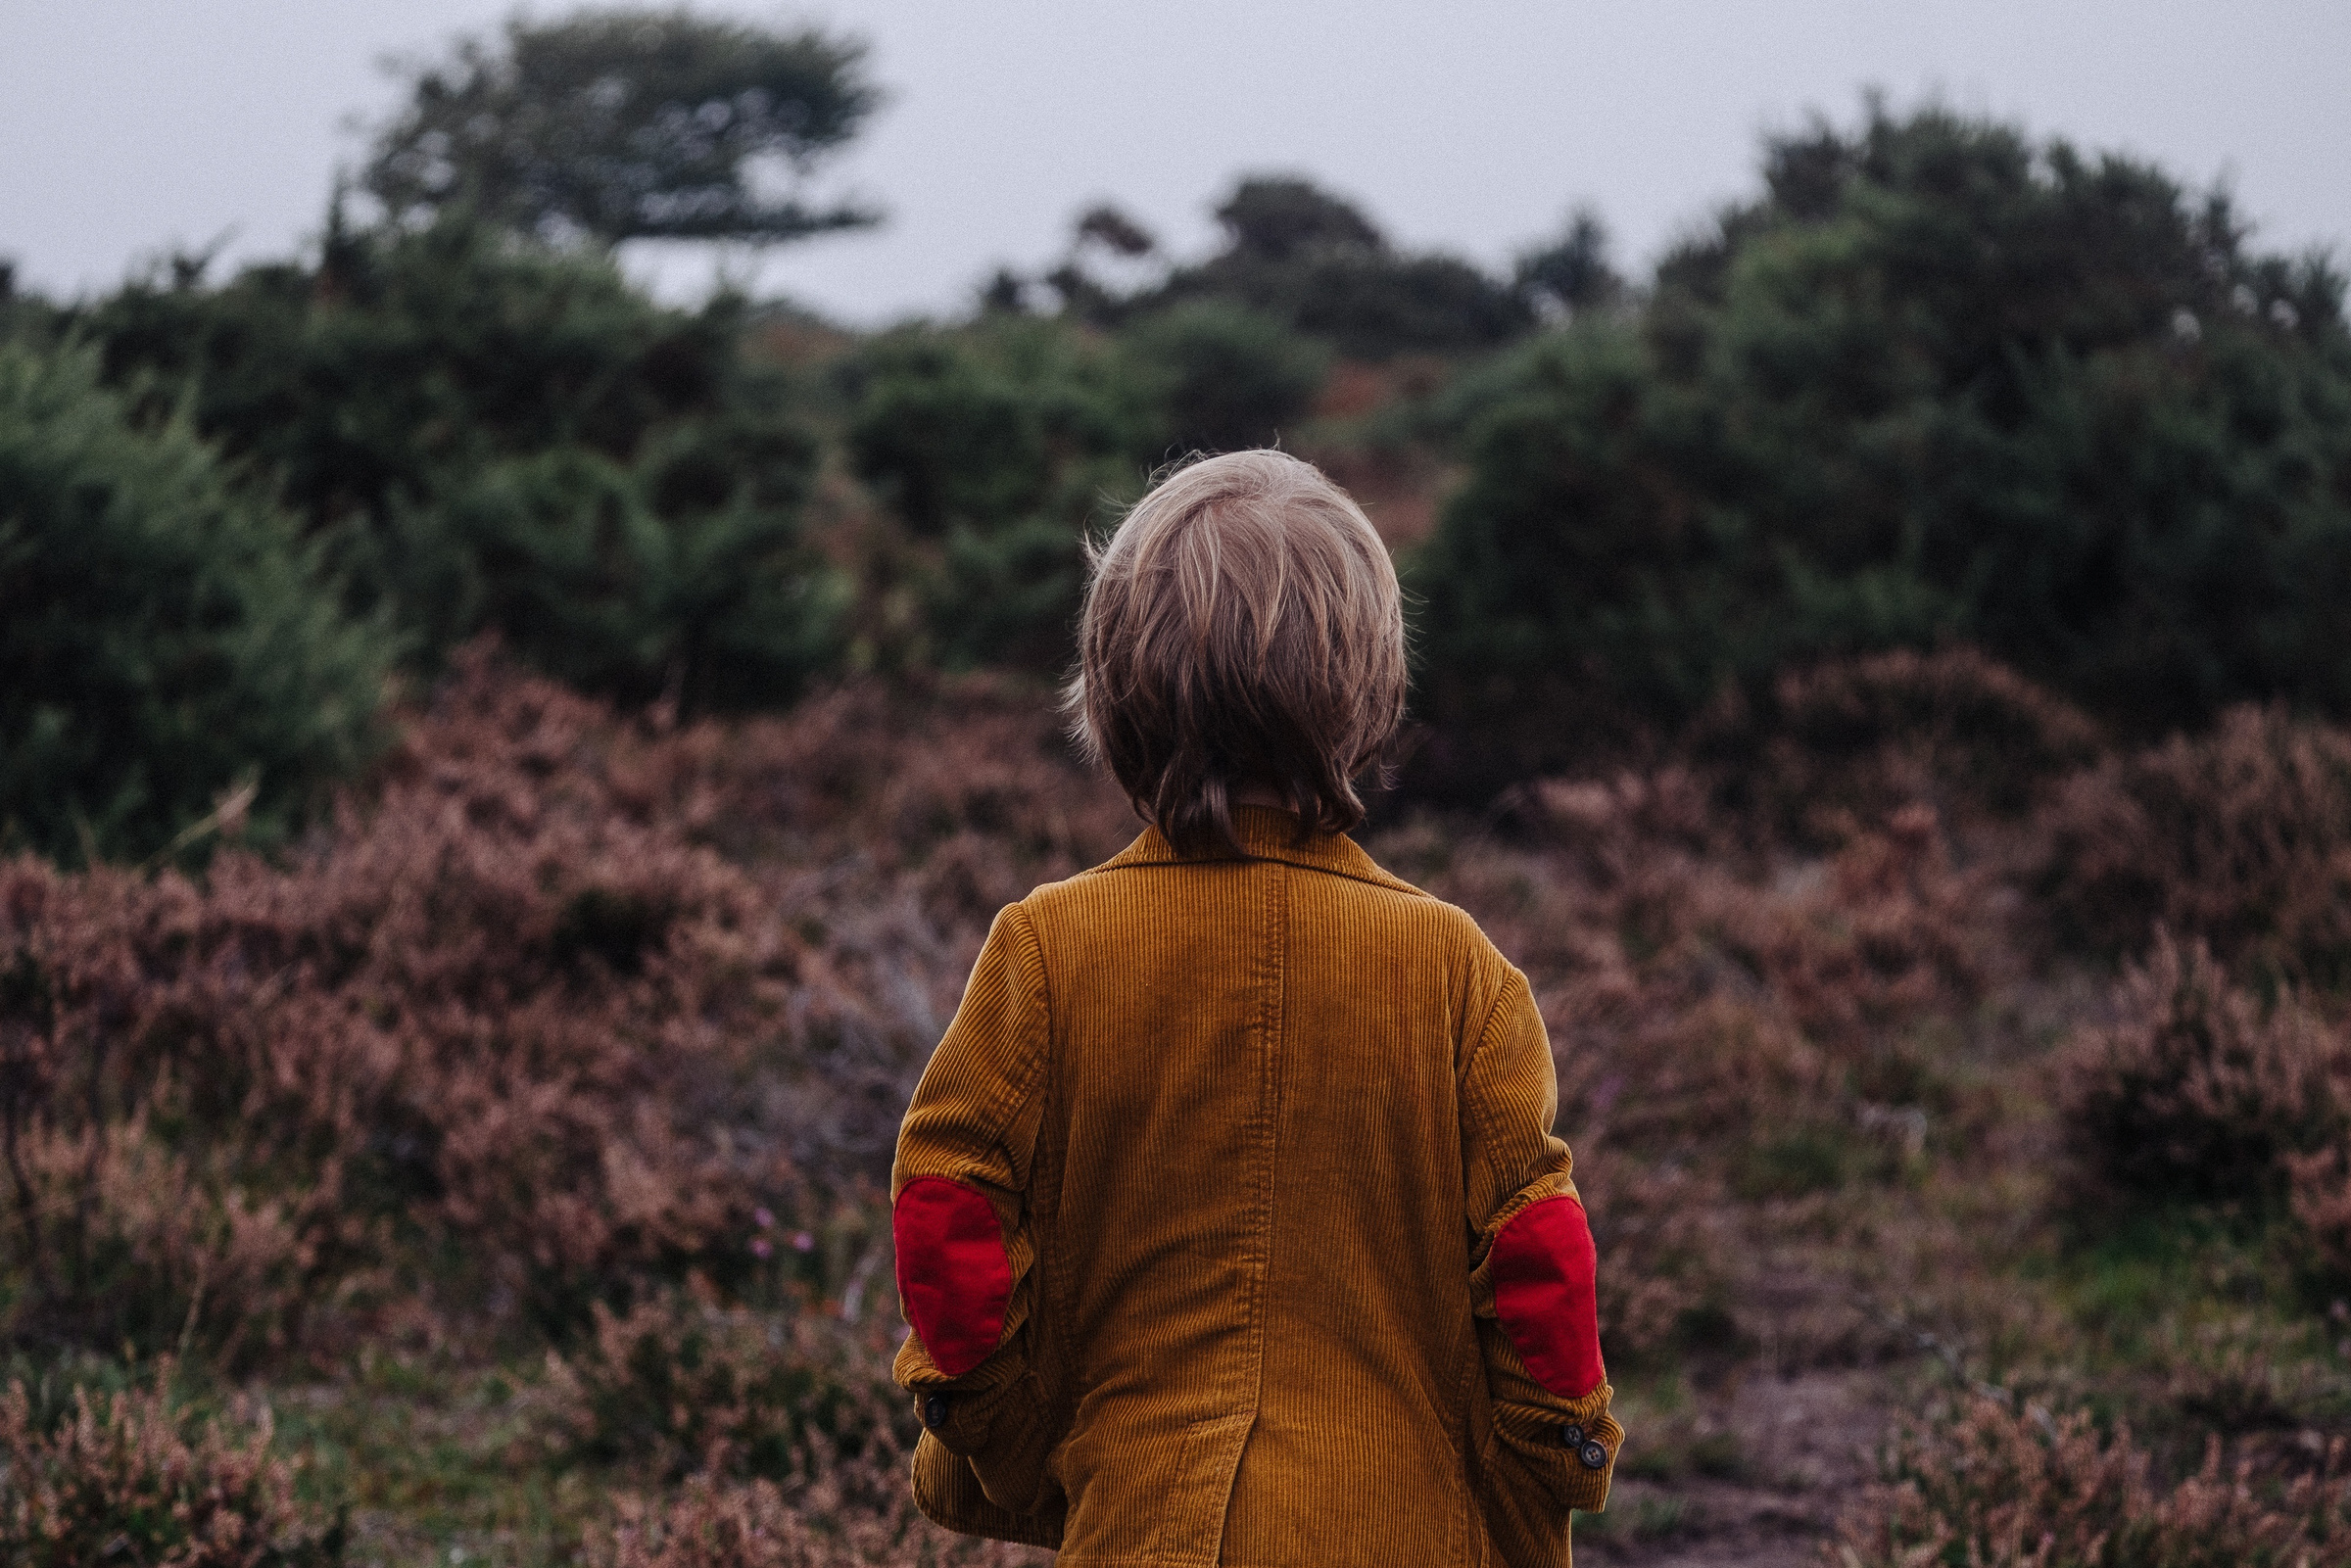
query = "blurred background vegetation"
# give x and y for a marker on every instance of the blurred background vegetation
(1934, 382)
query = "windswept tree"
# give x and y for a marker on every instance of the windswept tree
(613, 126)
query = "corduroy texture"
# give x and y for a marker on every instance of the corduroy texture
(1250, 1128)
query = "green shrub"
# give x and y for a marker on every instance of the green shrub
(1224, 376)
(167, 638)
(988, 425)
(943, 437)
(1009, 597)
(495, 436)
(1315, 263)
(1569, 583)
(1937, 384)
(996, 448)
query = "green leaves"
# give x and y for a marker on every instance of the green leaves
(1937, 384)
(996, 448)
(167, 639)
(489, 436)
(626, 124)
(1227, 377)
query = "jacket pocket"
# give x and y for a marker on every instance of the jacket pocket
(949, 1495)
(1012, 1464)
(1192, 1526)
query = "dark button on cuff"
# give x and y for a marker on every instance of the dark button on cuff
(1595, 1457)
(935, 1410)
(1571, 1436)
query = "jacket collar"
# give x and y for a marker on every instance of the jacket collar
(1267, 832)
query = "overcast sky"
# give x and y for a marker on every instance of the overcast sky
(130, 126)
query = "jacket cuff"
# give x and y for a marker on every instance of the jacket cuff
(1561, 1444)
(1003, 1432)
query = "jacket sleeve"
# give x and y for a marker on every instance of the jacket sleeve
(959, 1222)
(1554, 1442)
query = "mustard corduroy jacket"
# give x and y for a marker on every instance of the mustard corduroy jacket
(1230, 1228)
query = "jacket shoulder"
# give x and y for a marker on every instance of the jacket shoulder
(1382, 909)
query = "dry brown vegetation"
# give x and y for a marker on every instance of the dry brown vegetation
(519, 1133)
(127, 1478)
(2025, 1489)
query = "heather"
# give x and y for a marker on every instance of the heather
(2008, 1488)
(573, 1045)
(517, 1135)
(130, 1476)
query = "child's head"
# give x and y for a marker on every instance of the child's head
(1242, 632)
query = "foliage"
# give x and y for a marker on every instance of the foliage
(1276, 219)
(2320, 1202)
(124, 1240)
(1314, 262)
(1727, 1032)
(996, 449)
(2197, 1093)
(1826, 747)
(1997, 1487)
(342, 1037)
(711, 1523)
(1571, 274)
(514, 1025)
(169, 640)
(622, 125)
(2240, 837)
(1660, 1227)
(128, 1477)
(986, 427)
(494, 436)
(1937, 383)
(1226, 377)
(686, 1383)
(1007, 599)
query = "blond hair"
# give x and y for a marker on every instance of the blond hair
(1242, 628)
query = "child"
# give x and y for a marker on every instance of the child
(1229, 1220)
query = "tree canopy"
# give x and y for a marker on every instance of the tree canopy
(490, 435)
(628, 125)
(1937, 384)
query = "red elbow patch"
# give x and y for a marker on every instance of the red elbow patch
(953, 1277)
(1544, 1269)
